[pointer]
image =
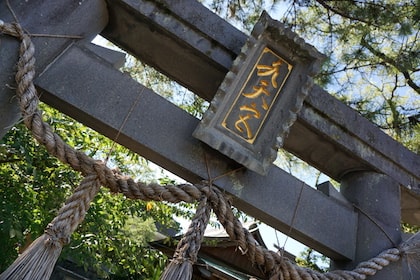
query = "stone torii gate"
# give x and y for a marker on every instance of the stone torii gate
(195, 47)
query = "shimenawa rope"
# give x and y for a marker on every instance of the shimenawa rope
(31, 266)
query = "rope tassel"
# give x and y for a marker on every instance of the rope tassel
(181, 266)
(38, 260)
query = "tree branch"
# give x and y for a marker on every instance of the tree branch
(356, 67)
(393, 63)
(341, 13)
(10, 160)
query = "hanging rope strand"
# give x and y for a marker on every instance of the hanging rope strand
(37, 261)
(180, 267)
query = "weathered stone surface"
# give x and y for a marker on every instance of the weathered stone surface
(162, 132)
(327, 134)
(76, 18)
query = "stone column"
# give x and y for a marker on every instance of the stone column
(376, 198)
(66, 17)
(9, 49)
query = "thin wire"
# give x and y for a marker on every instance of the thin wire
(293, 219)
(79, 37)
(277, 239)
(227, 173)
(376, 224)
(210, 180)
(40, 35)
(55, 36)
(123, 125)
(11, 11)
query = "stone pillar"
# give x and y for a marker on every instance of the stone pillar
(66, 17)
(9, 49)
(377, 200)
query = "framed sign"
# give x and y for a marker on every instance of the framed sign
(258, 100)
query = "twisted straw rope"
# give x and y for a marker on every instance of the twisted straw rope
(187, 249)
(190, 244)
(74, 211)
(275, 266)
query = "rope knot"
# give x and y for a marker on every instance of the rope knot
(12, 29)
(55, 237)
(411, 247)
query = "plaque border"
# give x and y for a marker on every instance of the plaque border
(306, 61)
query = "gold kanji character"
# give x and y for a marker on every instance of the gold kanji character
(243, 126)
(251, 108)
(258, 90)
(264, 104)
(273, 71)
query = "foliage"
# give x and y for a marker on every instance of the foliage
(165, 87)
(33, 185)
(242, 14)
(410, 229)
(372, 48)
(373, 61)
(313, 260)
(373, 51)
(113, 238)
(114, 244)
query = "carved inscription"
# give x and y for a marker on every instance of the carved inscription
(252, 105)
